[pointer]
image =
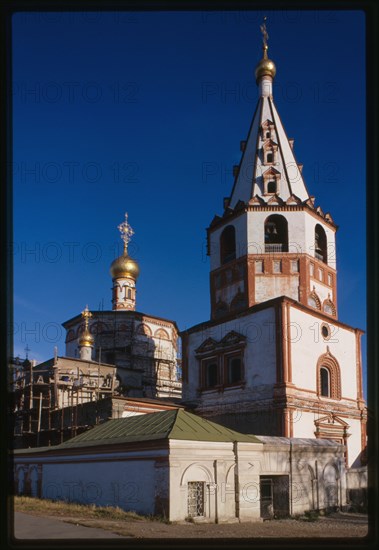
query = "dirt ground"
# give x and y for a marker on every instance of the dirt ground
(337, 525)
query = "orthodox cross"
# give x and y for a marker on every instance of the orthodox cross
(86, 314)
(264, 32)
(126, 232)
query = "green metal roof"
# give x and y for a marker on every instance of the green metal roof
(175, 424)
(193, 427)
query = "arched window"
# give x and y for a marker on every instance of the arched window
(144, 329)
(314, 300)
(228, 244)
(276, 234)
(324, 382)
(268, 134)
(270, 157)
(328, 376)
(271, 186)
(321, 248)
(129, 293)
(161, 333)
(329, 307)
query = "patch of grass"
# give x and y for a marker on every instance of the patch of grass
(64, 508)
(310, 515)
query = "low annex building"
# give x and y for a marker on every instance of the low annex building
(179, 465)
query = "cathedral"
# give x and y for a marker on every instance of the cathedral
(144, 347)
(272, 418)
(274, 358)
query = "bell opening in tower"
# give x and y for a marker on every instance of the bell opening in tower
(276, 234)
(321, 244)
(228, 244)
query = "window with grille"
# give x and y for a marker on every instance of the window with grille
(196, 498)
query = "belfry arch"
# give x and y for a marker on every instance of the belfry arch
(276, 233)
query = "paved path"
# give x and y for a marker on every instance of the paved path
(36, 527)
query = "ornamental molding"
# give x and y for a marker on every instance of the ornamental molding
(231, 339)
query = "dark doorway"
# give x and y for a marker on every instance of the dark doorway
(274, 496)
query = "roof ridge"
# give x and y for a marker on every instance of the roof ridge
(173, 423)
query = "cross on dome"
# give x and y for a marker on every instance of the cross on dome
(265, 36)
(86, 314)
(126, 232)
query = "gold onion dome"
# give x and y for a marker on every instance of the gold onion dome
(265, 67)
(124, 266)
(86, 338)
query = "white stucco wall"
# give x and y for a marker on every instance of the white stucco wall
(354, 442)
(267, 288)
(128, 484)
(260, 351)
(208, 462)
(303, 423)
(308, 344)
(134, 481)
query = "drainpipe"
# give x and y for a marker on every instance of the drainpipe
(290, 487)
(216, 491)
(317, 486)
(236, 481)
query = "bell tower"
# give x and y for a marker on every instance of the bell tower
(274, 359)
(271, 240)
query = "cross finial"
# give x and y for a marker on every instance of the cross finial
(126, 232)
(86, 314)
(264, 35)
(27, 349)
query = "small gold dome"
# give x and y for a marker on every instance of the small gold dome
(124, 266)
(265, 67)
(86, 338)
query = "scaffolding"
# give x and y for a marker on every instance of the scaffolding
(55, 389)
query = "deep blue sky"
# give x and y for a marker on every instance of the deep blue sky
(136, 112)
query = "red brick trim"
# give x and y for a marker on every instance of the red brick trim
(330, 362)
